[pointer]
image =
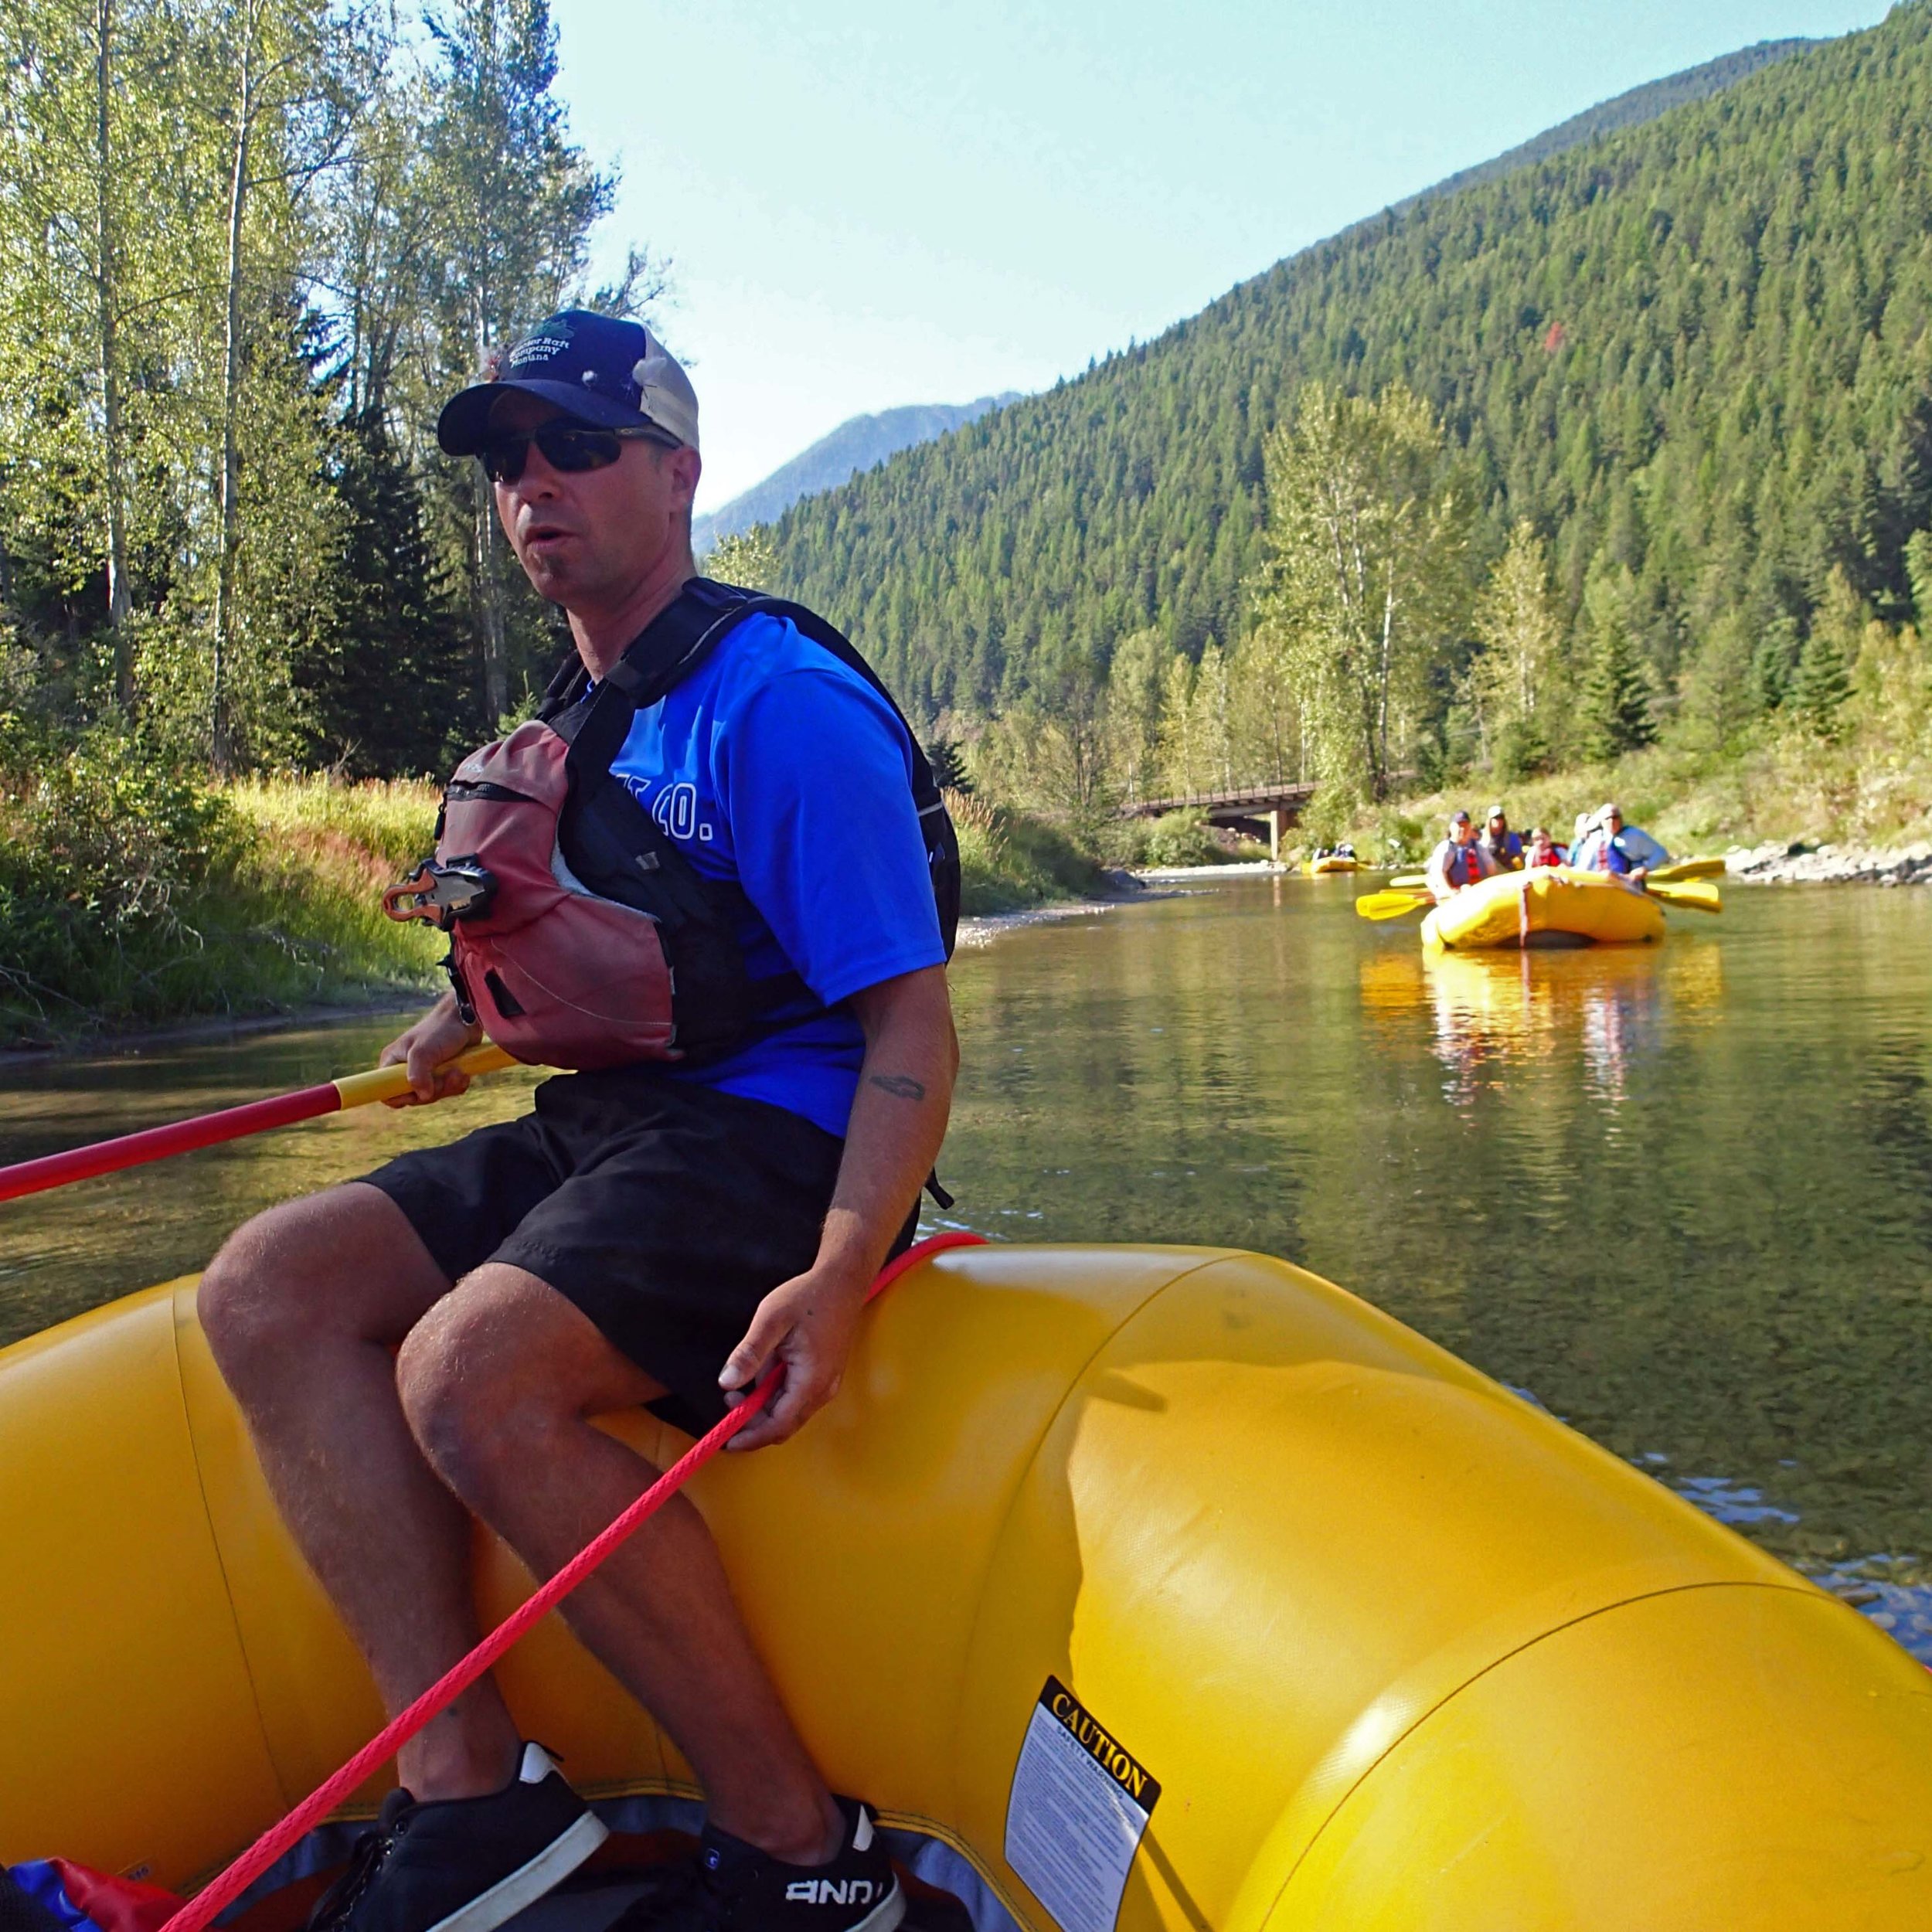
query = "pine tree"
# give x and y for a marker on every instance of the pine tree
(1918, 566)
(395, 694)
(1613, 703)
(1823, 680)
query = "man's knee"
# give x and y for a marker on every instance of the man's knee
(328, 1267)
(458, 1375)
(494, 1374)
(246, 1302)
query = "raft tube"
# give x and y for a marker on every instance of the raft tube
(1138, 1587)
(1547, 905)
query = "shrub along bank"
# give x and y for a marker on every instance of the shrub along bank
(131, 895)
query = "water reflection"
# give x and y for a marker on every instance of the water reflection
(1494, 1012)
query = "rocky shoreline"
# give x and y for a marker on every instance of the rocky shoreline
(1802, 862)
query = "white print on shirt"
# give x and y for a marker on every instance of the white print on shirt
(676, 809)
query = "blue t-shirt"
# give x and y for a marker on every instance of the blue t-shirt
(776, 765)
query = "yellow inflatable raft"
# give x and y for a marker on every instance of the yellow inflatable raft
(1547, 905)
(1139, 1587)
(1331, 861)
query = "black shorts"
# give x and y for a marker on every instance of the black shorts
(666, 1211)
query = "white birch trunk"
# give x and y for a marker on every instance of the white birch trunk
(220, 733)
(107, 287)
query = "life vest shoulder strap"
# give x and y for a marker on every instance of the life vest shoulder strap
(671, 647)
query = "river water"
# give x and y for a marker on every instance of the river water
(1681, 1195)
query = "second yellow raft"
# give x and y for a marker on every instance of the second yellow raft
(1550, 906)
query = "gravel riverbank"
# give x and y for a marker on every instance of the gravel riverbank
(1802, 863)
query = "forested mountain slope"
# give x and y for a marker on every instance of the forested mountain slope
(857, 444)
(1628, 109)
(1697, 350)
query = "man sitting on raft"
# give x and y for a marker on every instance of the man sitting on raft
(432, 1340)
(1628, 853)
(1459, 861)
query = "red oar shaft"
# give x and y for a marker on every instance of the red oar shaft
(223, 1891)
(156, 1143)
(230, 1124)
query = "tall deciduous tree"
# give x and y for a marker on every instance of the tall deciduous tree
(1366, 574)
(1521, 632)
(517, 202)
(297, 75)
(96, 195)
(1133, 686)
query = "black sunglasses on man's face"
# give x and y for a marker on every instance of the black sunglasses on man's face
(569, 446)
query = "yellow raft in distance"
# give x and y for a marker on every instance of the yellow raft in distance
(1138, 1587)
(1317, 868)
(1546, 905)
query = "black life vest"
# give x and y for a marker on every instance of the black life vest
(581, 935)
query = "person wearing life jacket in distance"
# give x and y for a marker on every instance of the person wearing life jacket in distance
(1543, 850)
(432, 1341)
(1628, 853)
(1459, 861)
(1503, 845)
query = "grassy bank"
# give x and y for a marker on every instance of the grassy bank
(131, 897)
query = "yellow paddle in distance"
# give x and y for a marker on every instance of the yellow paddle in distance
(1686, 896)
(1392, 904)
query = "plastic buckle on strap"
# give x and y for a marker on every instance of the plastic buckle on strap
(441, 893)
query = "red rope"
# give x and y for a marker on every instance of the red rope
(222, 1892)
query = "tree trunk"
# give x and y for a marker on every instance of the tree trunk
(489, 607)
(1379, 773)
(108, 296)
(489, 589)
(221, 746)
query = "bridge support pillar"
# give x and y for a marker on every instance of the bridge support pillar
(1278, 823)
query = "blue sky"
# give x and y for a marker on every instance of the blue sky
(869, 202)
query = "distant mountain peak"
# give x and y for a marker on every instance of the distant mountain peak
(855, 445)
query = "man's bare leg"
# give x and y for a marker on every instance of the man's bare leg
(304, 1307)
(499, 1381)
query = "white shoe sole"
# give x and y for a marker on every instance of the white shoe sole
(885, 1914)
(544, 1873)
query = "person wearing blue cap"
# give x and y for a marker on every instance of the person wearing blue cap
(433, 1339)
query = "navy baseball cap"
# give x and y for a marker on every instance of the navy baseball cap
(611, 374)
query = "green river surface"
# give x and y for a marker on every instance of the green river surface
(1682, 1195)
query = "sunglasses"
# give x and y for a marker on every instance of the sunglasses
(568, 447)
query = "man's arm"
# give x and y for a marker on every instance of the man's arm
(898, 1120)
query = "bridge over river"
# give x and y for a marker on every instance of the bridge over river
(1263, 811)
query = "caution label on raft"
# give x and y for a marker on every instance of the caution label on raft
(1080, 1802)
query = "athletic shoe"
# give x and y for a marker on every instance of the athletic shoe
(466, 1864)
(735, 1887)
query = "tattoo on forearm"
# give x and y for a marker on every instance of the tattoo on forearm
(901, 1087)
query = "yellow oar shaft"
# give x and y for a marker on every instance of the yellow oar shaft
(392, 1083)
